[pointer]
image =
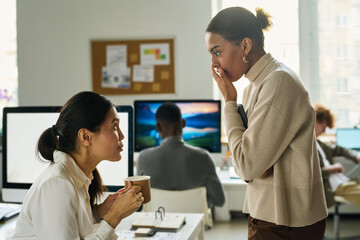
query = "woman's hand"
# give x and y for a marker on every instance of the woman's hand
(268, 172)
(226, 87)
(335, 168)
(127, 202)
(103, 208)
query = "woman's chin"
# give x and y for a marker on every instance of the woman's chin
(116, 159)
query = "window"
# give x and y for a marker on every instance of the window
(341, 21)
(8, 57)
(341, 53)
(342, 36)
(319, 40)
(342, 84)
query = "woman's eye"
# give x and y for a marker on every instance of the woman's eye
(116, 126)
(217, 53)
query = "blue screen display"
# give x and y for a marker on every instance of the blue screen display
(348, 138)
(202, 123)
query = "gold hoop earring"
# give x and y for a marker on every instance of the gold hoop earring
(245, 59)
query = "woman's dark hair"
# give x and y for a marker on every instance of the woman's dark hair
(236, 23)
(83, 110)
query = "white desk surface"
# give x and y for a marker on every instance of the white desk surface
(193, 229)
(235, 189)
(227, 180)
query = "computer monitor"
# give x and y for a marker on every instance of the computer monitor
(203, 123)
(22, 127)
(348, 138)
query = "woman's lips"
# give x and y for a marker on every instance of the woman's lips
(120, 148)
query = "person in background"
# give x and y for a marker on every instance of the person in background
(334, 179)
(59, 203)
(175, 165)
(275, 154)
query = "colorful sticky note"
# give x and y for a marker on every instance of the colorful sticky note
(138, 87)
(165, 75)
(156, 87)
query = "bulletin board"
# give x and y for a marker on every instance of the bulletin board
(133, 66)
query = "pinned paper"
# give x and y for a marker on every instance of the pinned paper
(156, 87)
(116, 55)
(155, 54)
(116, 76)
(138, 87)
(134, 58)
(164, 75)
(143, 73)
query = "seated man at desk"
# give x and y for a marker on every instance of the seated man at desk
(175, 165)
(334, 179)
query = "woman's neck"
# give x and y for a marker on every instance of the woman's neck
(85, 163)
(255, 57)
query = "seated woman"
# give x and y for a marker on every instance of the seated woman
(334, 179)
(59, 203)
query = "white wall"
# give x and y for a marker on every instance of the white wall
(54, 37)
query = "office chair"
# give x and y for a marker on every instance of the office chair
(181, 201)
(339, 200)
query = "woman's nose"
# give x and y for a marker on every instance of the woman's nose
(215, 62)
(121, 135)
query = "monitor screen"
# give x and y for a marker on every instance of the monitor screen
(348, 138)
(22, 128)
(203, 123)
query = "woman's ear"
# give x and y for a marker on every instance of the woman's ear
(246, 45)
(84, 136)
(158, 127)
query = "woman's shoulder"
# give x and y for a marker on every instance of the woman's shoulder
(51, 183)
(284, 79)
(54, 174)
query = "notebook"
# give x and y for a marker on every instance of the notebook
(9, 210)
(171, 221)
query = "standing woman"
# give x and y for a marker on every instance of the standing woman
(277, 153)
(59, 203)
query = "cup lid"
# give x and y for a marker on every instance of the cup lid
(137, 178)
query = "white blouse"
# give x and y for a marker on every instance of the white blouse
(57, 206)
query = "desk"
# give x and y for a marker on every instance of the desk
(7, 228)
(193, 229)
(234, 189)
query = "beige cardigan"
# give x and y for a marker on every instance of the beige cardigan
(280, 134)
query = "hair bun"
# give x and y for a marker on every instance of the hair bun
(263, 19)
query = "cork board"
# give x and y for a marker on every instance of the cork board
(133, 66)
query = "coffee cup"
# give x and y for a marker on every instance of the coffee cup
(143, 182)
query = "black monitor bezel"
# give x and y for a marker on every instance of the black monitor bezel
(177, 101)
(43, 109)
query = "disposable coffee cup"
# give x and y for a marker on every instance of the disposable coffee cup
(143, 182)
